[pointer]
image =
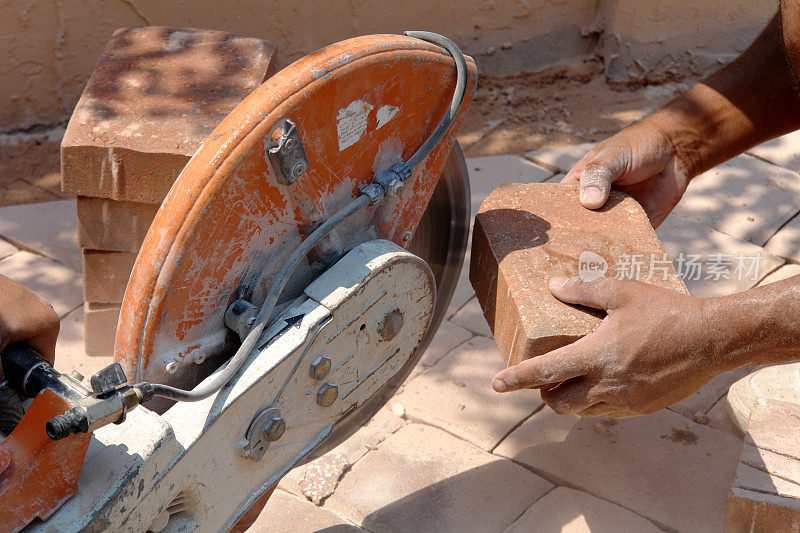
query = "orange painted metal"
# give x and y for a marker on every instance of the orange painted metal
(38, 475)
(227, 224)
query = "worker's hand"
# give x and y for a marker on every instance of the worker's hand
(652, 350)
(24, 316)
(639, 160)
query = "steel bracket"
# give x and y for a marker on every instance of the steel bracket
(286, 152)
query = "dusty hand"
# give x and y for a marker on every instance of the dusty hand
(652, 350)
(24, 316)
(639, 160)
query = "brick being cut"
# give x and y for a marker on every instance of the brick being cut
(526, 233)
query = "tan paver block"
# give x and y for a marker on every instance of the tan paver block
(99, 328)
(525, 234)
(153, 97)
(572, 511)
(6, 249)
(112, 225)
(562, 158)
(470, 317)
(447, 337)
(783, 151)
(105, 275)
(488, 173)
(375, 431)
(704, 399)
(662, 466)
(786, 242)
(745, 198)
(456, 395)
(720, 419)
(766, 491)
(463, 291)
(422, 479)
(285, 513)
(70, 354)
(710, 262)
(786, 271)
(48, 228)
(56, 283)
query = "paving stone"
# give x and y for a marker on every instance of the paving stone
(285, 513)
(375, 431)
(6, 249)
(662, 466)
(525, 234)
(562, 158)
(712, 263)
(49, 229)
(422, 479)
(572, 511)
(456, 395)
(783, 151)
(470, 317)
(719, 419)
(111, 225)
(766, 491)
(786, 242)
(153, 97)
(786, 271)
(105, 275)
(488, 173)
(745, 198)
(447, 337)
(463, 291)
(59, 285)
(70, 354)
(704, 399)
(100, 328)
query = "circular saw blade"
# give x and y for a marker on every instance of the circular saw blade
(441, 240)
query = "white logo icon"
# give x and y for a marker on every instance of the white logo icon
(591, 266)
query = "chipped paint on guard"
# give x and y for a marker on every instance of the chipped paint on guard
(228, 226)
(385, 114)
(351, 123)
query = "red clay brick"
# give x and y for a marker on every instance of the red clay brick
(154, 95)
(525, 234)
(99, 328)
(105, 275)
(113, 225)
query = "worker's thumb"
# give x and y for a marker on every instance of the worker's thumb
(597, 176)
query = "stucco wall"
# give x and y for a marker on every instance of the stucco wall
(49, 46)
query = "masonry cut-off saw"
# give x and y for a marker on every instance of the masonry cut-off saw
(290, 281)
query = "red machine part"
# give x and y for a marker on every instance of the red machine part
(228, 224)
(37, 474)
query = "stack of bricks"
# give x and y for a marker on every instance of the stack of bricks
(154, 96)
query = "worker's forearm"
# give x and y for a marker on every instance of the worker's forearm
(756, 327)
(751, 100)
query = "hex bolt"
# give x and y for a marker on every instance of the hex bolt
(171, 367)
(327, 394)
(298, 170)
(395, 188)
(320, 367)
(274, 428)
